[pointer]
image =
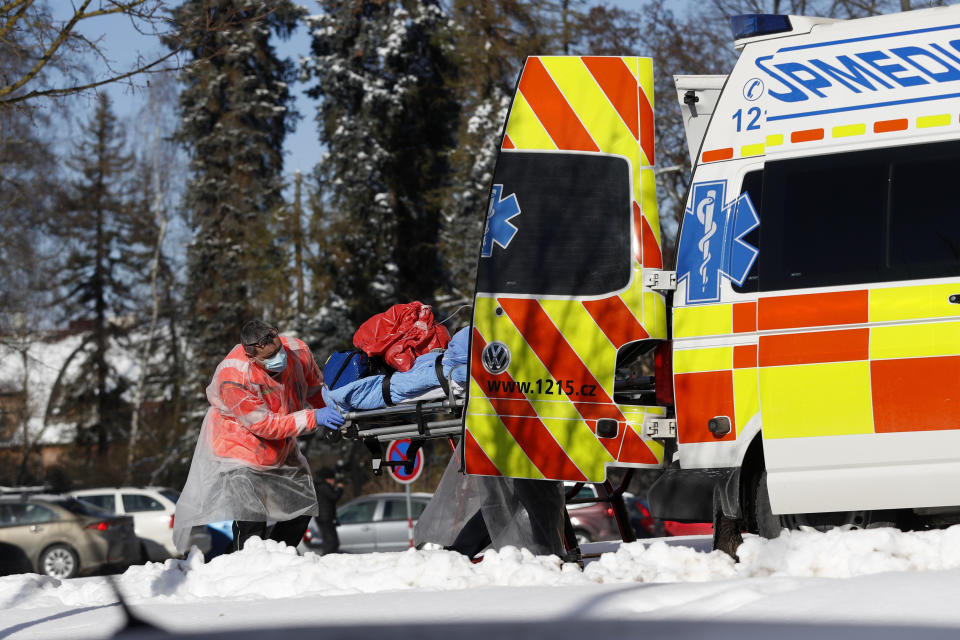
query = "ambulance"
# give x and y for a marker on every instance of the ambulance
(798, 361)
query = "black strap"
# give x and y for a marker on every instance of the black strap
(385, 389)
(438, 365)
(343, 367)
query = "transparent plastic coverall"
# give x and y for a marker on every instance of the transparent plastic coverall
(247, 465)
(523, 513)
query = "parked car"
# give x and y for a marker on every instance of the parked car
(62, 537)
(375, 522)
(646, 526)
(152, 509)
(592, 521)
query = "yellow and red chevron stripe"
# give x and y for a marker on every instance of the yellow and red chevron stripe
(538, 419)
(598, 104)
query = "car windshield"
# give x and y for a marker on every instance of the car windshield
(170, 494)
(81, 508)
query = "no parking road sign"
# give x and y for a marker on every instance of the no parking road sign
(397, 452)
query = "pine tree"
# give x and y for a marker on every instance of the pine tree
(104, 248)
(235, 112)
(387, 117)
(493, 38)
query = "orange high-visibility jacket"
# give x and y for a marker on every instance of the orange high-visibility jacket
(256, 418)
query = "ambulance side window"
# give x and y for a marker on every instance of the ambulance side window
(925, 218)
(752, 186)
(879, 215)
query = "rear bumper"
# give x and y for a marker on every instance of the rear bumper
(690, 495)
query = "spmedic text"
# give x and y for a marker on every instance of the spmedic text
(866, 69)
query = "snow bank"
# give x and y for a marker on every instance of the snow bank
(269, 570)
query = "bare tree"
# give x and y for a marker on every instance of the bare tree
(159, 121)
(40, 43)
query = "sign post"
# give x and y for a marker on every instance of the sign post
(397, 452)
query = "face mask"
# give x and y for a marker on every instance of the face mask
(277, 362)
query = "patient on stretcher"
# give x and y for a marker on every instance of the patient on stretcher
(430, 372)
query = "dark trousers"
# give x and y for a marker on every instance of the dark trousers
(328, 534)
(290, 532)
(473, 538)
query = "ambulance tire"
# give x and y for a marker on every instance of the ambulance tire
(769, 525)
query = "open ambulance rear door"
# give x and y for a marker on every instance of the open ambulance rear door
(571, 226)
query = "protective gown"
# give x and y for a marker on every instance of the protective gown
(247, 465)
(523, 513)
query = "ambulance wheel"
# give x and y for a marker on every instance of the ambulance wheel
(768, 524)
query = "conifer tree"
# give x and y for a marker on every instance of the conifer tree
(235, 112)
(387, 117)
(493, 38)
(104, 247)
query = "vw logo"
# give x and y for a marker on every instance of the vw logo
(753, 89)
(495, 358)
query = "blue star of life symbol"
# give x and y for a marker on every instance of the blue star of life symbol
(711, 242)
(499, 228)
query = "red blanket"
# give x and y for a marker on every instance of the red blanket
(400, 334)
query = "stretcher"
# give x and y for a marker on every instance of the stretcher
(429, 417)
(436, 414)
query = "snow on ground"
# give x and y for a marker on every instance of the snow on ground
(871, 576)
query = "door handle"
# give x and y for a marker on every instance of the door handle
(954, 298)
(35, 528)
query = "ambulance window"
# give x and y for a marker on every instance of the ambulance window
(868, 216)
(925, 216)
(752, 186)
(561, 225)
(824, 219)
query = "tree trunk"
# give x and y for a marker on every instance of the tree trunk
(25, 418)
(147, 348)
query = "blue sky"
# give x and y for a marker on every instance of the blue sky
(122, 43)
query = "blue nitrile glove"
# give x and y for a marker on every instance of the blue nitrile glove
(328, 417)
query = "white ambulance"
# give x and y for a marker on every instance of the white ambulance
(816, 342)
(808, 341)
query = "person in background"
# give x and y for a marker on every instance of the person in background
(328, 492)
(247, 466)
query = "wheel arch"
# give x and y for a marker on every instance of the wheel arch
(735, 494)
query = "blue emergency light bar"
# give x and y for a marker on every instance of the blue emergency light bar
(758, 24)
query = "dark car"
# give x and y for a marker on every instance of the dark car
(375, 522)
(62, 537)
(646, 526)
(592, 521)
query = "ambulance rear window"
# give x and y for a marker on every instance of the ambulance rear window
(869, 216)
(561, 224)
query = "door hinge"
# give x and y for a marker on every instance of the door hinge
(660, 280)
(659, 428)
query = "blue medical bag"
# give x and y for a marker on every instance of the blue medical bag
(343, 367)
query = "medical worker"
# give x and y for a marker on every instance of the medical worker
(247, 466)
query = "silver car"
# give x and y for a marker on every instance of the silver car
(375, 522)
(62, 537)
